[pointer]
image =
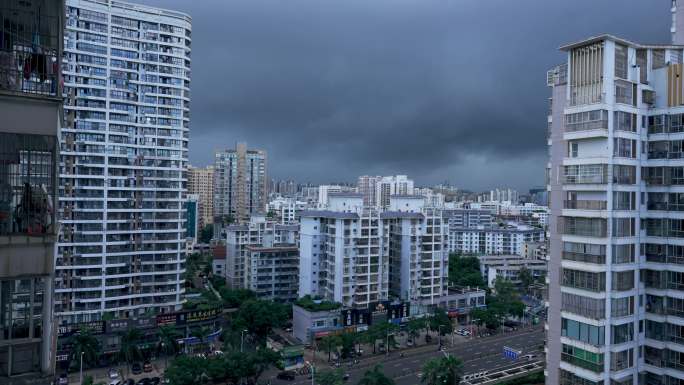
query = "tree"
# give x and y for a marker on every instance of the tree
(129, 351)
(440, 371)
(526, 278)
(84, 342)
(168, 337)
(347, 343)
(259, 318)
(329, 344)
(375, 377)
(186, 370)
(465, 271)
(330, 377)
(440, 322)
(207, 233)
(259, 361)
(233, 298)
(414, 327)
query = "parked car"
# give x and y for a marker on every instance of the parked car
(147, 367)
(409, 342)
(136, 368)
(286, 375)
(113, 374)
(130, 381)
(115, 382)
(155, 381)
(345, 377)
(63, 379)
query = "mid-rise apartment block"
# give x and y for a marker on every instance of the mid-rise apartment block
(31, 35)
(201, 182)
(615, 179)
(239, 183)
(124, 154)
(357, 255)
(504, 238)
(243, 239)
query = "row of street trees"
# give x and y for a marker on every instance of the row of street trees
(129, 351)
(445, 370)
(385, 334)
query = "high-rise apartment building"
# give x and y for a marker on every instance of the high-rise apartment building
(358, 255)
(367, 187)
(239, 183)
(201, 182)
(124, 154)
(615, 183)
(388, 186)
(30, 110)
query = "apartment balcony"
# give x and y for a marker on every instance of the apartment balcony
(29, 54)
(594, 367)
(584, 205)
(583, 257)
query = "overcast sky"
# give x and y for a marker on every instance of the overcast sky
(437, 89)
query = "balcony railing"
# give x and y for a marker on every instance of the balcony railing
(584, 205)
(582, 257)
(29, 51)
(27, 180)
(594, 367)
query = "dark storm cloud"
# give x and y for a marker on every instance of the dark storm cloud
(437, 89)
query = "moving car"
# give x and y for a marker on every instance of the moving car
(63, 379)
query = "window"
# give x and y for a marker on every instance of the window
(624, 121)
(624, 174)
(658, 58)
(621, 61)
(624, 148)
(579, 331)
(573, 149)
(621, 360)
(622, 333)
(624, 200)
(623, 227)
(583, 280)
(622, 307)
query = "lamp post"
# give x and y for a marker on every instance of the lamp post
(165, 353)
(80, 377)
(242, 339)
(313, 371)
(439, 337)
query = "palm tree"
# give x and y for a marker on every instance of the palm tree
(202, 333)
(84, 342)
(414, 328)
(375, 377)
(167, 340)
(129, 350)
(440, 371)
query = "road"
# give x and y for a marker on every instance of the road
(478, 355)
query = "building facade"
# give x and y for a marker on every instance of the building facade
(615, 133)
(508, 238)
(358, 255)
(201, 182)
(258, 232)
(124, 151)
(274, 272)
(31, 35)
(239, 183)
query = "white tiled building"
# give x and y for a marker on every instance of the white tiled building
(357, 255)
(124, 152)
(615, 182)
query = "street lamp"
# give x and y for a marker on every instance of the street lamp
(81, 370)
(313, 371)
(242, 339)
(165, 355)
(439, 337)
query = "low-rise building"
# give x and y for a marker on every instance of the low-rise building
(508, 267)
